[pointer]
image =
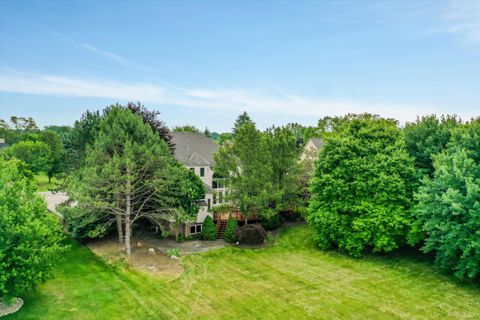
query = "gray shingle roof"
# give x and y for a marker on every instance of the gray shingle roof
(317, 142)
(194, 149)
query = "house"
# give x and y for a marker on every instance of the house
(195, 151)
(311, 149)
(3, 144)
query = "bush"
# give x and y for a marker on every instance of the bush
(181, 238)
(250, 234)
(173, 252)
(230, 230)
(209, 230)
(271, 222)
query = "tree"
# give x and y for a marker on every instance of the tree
(284, 153)
(245, 161)
(151, 117)
(53, 140)
(81, 136)
(207, 132)
(230, 229)
(447, 213)
(209, 231)
(362, 187)
(36, 154)
(428, 136)
(30, 237)
(242, 119)
(23, 124)
(129, 174)
(186, 128)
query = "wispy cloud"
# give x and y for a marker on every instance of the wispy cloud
(464, 18)
(460, 18)
(233, 100)
(103, 53)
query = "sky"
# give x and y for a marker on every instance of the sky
(204, 62)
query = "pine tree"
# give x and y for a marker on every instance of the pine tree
(209, 230)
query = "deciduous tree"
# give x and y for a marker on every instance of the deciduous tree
(448, 209)
(30, 237)
(362, 187)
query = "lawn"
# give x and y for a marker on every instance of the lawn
(288, 280)
(42, 182)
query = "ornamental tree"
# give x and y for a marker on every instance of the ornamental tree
(30, 236)
(362, 187)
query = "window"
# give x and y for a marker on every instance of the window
(209, 204)
(220, 197)
(196, 228)
(214, 198)
(202, 172)
(192, 169)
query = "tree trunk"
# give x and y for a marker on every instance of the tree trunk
(120, 228)
(128, 211)
(119, 221)
(128, 247)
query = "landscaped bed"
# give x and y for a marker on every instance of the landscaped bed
(291, 279)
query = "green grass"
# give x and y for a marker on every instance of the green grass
(288, 280)
(42, 182)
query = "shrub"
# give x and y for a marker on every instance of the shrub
(250, 234)
(271, 222)
(209, 230)
(173, 252)
(181, 238)
(230, 230)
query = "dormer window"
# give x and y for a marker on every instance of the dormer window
(202, 172)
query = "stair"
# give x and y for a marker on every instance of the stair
(221, 226)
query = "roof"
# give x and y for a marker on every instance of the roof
(194, 149)
(317, 142)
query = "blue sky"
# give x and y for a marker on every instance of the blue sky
(203, 62)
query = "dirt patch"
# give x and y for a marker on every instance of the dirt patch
(155, 264)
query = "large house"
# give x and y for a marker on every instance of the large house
(311, 149)
(195, 151)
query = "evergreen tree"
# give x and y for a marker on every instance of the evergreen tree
(209, 230)
(242, 119)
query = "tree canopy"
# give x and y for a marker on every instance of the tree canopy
(129, 173)
(362, 187)
(36, 154)
(30, 237)
(447, 213)
(426, 137)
